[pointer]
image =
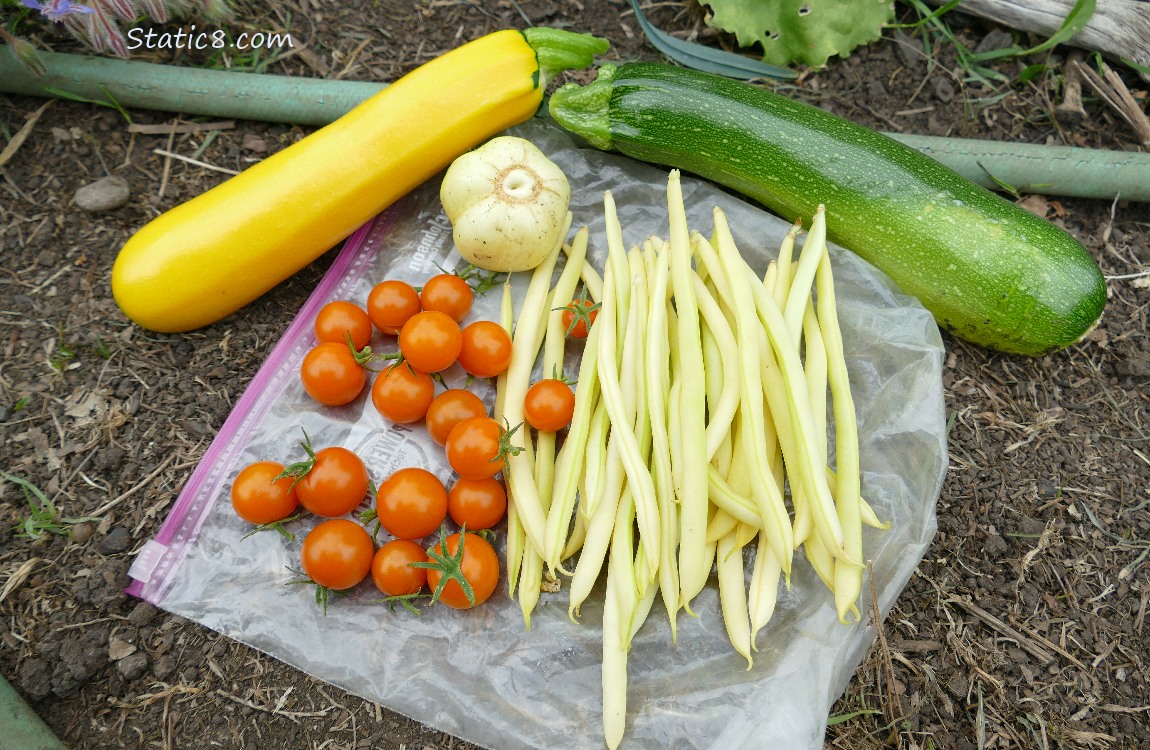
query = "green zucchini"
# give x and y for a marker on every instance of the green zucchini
(990, 272)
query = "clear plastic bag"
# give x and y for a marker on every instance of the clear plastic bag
(480, 674)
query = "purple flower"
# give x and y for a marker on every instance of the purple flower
(56, 10)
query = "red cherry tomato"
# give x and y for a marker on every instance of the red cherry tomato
(449, 409)
(479, 567)
(390, 304)
(331, 375)
(549, 405)
(259, 498)
(477, 503)
(337, 554)
(430, 341)
(473, 448)
(335, 484)
(391, 569)
(449, 294)
(411, 503)
(402, 394)
(578, 315)
(485, 350)
(336, 320)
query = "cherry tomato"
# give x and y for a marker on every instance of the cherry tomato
(473, 448)
(391, 569)
(337, 319)
(486, 349)
(477, 503)
(335, 484)
(449, 294)
(402, 394)
(331, 375)
(430, 341)
(479, 567)
(549, 405)
(576, 320)
(390, 304)
(411, 503)
(337, 554)
(449, 409)
(258, 499)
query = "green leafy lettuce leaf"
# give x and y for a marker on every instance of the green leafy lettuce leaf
(802, 31)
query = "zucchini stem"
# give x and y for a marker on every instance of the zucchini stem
(583, 110)
(557, 50)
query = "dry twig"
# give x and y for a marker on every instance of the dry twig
(1070, 107)
(1113, 91)
(1032, 643)
(196, 162)
(183, 127)
(18, 577)
(22, 135)
(893, 702)
(144, 483)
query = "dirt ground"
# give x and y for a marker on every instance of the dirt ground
(1024, 627)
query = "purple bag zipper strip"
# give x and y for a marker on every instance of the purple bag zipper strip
(173, 534)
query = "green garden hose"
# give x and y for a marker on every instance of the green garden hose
(190, 91)
(20, 727)
(1050, 170)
